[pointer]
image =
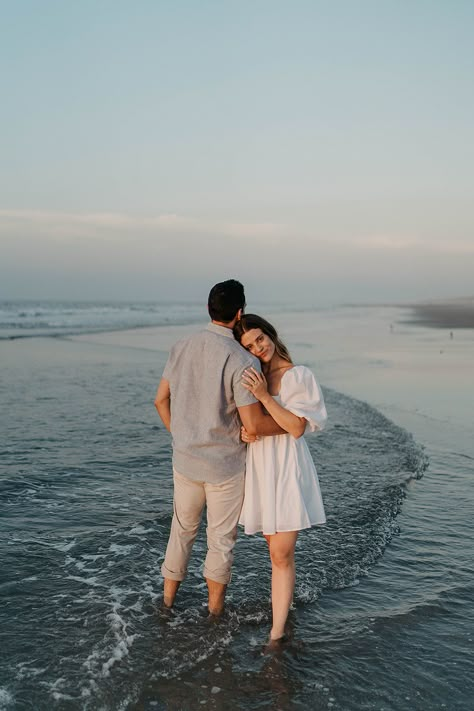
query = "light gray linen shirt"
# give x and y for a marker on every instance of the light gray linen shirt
(204, 372)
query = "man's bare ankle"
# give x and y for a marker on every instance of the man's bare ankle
(170, 588)
(216, 610)
(216, 598)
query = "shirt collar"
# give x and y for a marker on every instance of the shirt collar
(221, 330)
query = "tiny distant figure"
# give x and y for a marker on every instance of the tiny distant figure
(451, 334)
(282, 494)
(391, 328)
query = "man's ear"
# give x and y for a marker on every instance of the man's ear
(239, 314)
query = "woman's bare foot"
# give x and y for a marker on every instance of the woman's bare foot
(275, 644)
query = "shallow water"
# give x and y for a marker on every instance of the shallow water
(29, 319)
(384, 591)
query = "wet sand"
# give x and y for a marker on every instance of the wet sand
(458, 313)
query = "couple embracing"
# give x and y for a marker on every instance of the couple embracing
(230, 385)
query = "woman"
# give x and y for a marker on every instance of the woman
(282, 494)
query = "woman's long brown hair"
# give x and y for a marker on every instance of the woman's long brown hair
(250, 321)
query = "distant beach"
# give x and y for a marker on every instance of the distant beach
(455, 313)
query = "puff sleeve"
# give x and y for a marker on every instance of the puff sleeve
(301, 395)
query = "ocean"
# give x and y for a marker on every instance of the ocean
(383, 611)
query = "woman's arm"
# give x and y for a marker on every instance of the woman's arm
(257, 423)
(256, 383)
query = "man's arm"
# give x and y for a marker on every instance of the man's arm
(163, 402)
(256, 422)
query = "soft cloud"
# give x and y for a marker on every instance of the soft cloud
(386, 242)
(77, 224)
(117, 227)
(72, 254)
(396, 243)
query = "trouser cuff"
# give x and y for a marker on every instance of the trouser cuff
(223, 578)
(172, 574)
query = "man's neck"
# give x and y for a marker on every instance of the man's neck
(229, 325)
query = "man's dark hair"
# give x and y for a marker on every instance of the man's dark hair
(225, 299)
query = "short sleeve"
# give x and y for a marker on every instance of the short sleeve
(242, 396)
(301, 395)
(169, 367)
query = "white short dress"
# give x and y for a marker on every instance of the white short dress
(281, 484)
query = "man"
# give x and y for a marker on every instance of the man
(202, 403)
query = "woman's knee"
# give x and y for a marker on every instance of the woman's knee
(282, 557)
(282, 548)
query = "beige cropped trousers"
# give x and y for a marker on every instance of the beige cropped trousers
(224, 502)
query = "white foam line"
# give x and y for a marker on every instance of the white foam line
(120, 549)
(118, 652)
(139, 530)
(87, 581)
(6, 699)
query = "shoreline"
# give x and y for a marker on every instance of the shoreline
(454, 313)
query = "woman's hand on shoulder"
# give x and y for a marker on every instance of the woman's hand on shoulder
(255, 383)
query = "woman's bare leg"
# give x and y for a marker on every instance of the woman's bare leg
(282, 554)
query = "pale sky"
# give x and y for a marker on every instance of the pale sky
(317, 151)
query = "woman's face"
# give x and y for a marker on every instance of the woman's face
(259, 344)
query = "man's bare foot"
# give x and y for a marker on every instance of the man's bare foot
(170, 588)
(216, 597)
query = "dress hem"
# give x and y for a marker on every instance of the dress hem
(281, 530)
